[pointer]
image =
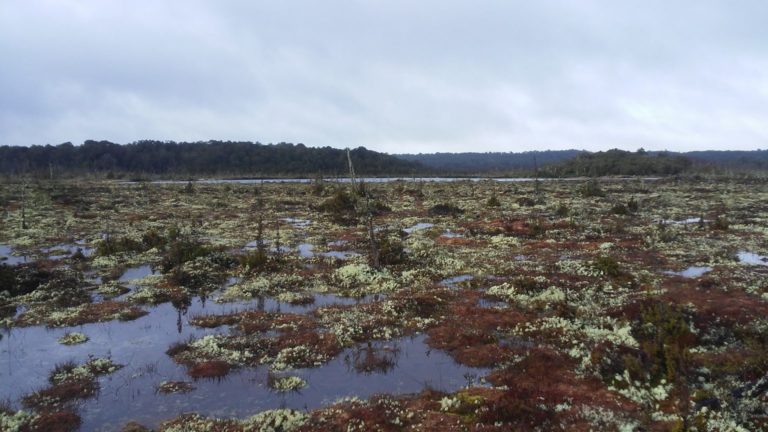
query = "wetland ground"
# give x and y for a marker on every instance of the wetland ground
(632, 304)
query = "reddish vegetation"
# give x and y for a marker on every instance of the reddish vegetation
(251, 322)
(95, 312)
(433, 421)
(175, 387)
(468, 332)
(548, 377)
(61, 421)
(212, 321)
(134, 427)
(375, 415)
(182, 421)
(61, 393)
(209, 369)
(295, 322)
(712, 303)
(323, 343)
(460, 241)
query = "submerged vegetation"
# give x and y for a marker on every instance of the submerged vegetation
(574, 305)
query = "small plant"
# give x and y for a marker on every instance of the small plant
(111, 246)
(341, 207)
(591, 189)
(285, 383)
(168, 387)
(620, 209)
(607, 265)
(493, 202)
(182, 251)
(720, 224)
(526, 202)
(152, 239)
(562, 210)
(444, 209)
(632, 205)
(73, 338)
(255, 261)
(391, 250)
(209, 369)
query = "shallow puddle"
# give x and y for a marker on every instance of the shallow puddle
(6, 256)
(453, 282)
(688, 221)
(306, 250)
(67, 250)
(451, 234)
(752, 258)
(418, 226)
(135, 273)
(491, 304)
(691, 272)
(298, 223)
(27, 355)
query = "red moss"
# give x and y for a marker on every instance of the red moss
(61, 421)
(61, 393)
(213, 321)
(460, 241)
(93, 312)
(209, 369)
(377, 415)
(468, 332)
(548, 377)
(323, 343)
(134, 427)
(186, 422)
(714, 304)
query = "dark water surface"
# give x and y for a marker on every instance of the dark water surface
(27, 355)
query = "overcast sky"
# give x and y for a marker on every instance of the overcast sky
(391, 75)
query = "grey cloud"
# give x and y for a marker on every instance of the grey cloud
(397, 76)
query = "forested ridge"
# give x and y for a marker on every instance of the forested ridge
(499, 162)
(169, 159)
(569, 163)
(620, 162)
(215, 158)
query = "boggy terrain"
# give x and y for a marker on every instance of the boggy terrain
(472, 305)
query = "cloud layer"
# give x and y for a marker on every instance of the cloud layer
(391, 75)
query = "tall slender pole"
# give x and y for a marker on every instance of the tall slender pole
(351, 171)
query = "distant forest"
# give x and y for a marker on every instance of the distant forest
(168, 159)
(214, 158)
(755, 159)
(497, 162)
(619, 162)
(555, 163)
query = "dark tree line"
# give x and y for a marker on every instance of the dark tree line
(196, 158)
(755, 159)
(490, 162)
(619, 162)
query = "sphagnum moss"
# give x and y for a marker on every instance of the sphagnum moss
(576, 271)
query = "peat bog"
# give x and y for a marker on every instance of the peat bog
(639, 304)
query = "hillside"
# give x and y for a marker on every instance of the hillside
(220, 158)
(498, 162)
(754, 159)
(620, 162)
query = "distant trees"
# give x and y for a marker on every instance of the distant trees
(498, 162)
(619, 162)
(197, 158)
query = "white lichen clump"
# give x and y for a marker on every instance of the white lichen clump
(73, 338)
(287, 383)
